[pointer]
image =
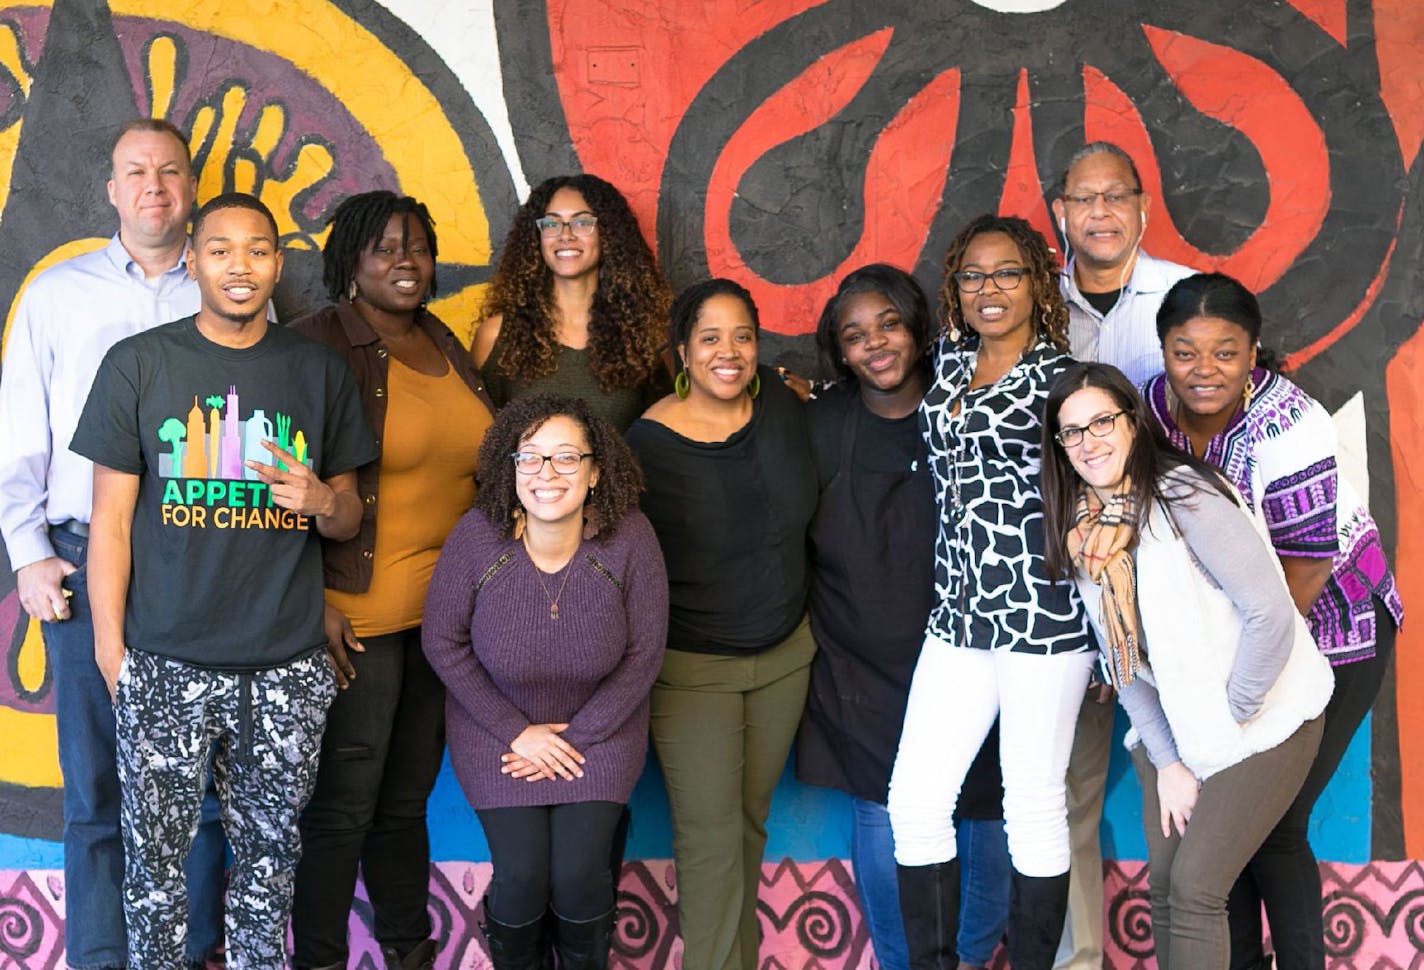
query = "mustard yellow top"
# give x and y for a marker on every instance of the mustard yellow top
(432, 435)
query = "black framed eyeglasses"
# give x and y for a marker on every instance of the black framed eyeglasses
(1115, 198)
(564, 462)
(581, 226)
(1008, 278)
(1099, 427)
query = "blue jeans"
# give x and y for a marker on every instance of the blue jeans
(984, 885)
(872, 855)
(984, 877)
(95, 938)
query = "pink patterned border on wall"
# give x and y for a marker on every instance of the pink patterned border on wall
(810, 918)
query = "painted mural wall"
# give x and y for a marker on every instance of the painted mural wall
(784, 142)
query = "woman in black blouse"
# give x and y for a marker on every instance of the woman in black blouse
(731, 490)
(1002, 640)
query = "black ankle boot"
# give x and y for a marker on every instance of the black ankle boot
(1037, 908)
(583, 945)
(420, 958)
(523, 947)
(929, 908)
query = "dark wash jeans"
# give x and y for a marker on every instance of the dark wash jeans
(93, 848)
(384, 741)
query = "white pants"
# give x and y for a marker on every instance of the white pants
(954, 697)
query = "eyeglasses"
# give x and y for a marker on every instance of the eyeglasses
(1115, 199)
(972, 281)
(1100, 427)
(581, 226)
(532, 463)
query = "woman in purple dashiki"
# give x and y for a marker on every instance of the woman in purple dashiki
(1221, 401)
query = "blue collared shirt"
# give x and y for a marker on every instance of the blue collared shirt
(66, 321)
(1126, 336)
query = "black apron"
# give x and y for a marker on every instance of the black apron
(872, 559)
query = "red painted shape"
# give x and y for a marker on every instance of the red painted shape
(622, 122)
(1308, 353)
(904, 179)
(1023, 195)
(1329, 15)
(1399, 37)
(1404, 384)
(1244, 93)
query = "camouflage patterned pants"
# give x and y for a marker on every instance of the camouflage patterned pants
(266, 728)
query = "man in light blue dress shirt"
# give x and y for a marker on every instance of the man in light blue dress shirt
(66, 320)
(1113, 290)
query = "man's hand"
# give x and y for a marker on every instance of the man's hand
(296, 487)
(40, 589)
(109, 660)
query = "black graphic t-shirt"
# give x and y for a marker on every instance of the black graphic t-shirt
(222, 577)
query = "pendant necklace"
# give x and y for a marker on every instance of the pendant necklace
(539, 575)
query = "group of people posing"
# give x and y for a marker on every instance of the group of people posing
(609, 518)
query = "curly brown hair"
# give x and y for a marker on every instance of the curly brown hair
(1050, 313)
(620, 479)
(625, 327)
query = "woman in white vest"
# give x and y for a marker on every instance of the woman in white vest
(1215, 667)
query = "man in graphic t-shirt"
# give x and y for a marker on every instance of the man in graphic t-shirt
(221, 446)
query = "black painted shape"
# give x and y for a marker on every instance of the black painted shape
(79, 96)
(541, 130)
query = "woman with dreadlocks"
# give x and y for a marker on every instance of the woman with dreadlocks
(1001, 640)
(577, 305)
(385, 735)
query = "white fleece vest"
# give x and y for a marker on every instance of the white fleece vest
(1192, 630)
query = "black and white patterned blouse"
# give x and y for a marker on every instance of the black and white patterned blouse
(991, 589)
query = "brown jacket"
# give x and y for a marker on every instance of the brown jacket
(348, 564)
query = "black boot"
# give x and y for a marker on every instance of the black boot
(929, 908)
(1037, 908)
(420, 958)
(516, 947)
(583, 945)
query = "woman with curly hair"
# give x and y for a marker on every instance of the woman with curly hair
(577, 305)
(385, 736)
(1002, 639)
(546, 619)
(731, 491)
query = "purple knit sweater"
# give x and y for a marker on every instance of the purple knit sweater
(507, 664)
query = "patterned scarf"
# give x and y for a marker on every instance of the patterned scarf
(1099, 544)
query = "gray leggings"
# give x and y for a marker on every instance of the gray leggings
(1190, 875)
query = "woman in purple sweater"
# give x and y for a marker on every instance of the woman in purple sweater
(547, 619)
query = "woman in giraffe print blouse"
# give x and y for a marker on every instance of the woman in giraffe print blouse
(1002, 640)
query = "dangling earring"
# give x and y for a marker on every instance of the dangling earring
(352, 292)
(754, 386)
(1247, 391)
(517, 530)
(1043, 322)
(952, 327)
(682, 384)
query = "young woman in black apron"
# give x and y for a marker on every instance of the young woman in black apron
(872, 560)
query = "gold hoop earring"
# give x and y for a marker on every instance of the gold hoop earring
(754, 386)
(682, 384)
